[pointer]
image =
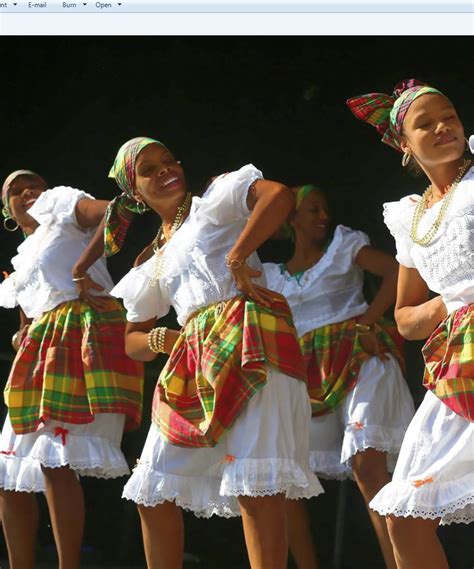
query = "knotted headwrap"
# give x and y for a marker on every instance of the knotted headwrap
(6, 187)
(387, 113)
(120, 211)
(300, 195)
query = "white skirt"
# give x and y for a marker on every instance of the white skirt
(434, 476)
(375, 414)
(264, 453)
(92, 449)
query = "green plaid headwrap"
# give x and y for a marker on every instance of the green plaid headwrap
(300, 195)
(6, 188)
(387, 113)
(120, 211)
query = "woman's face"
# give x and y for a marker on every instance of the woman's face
(432, 131)
(312, 218)
(23, 192)
(158, 175)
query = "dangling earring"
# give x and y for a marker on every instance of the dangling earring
(406, 158)
(11, 229)
(178, 161)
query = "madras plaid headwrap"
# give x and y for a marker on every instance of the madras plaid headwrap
(71, 366)
(218, 363)
(387, 113)
(6, 187)
(120, 211)
(449, 361)
(333, 356)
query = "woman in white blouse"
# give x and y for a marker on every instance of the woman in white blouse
(72, 390)
(361, 404)
(433, 481)
(230, 428)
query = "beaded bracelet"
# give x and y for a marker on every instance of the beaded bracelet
(156, 340)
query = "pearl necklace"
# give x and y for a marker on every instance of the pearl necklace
(422, 205)
(160, 236)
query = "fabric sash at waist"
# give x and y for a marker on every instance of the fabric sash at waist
(449, 362)
(71, 366)
(333, 357)
(218, 363)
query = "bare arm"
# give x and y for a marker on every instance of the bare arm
(91, 253)
(18, 336)
(89, 213)
(382, 265)
(271, 203)
(136, 340)
(416, 316)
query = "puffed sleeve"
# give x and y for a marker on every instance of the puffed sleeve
(57, 205)
(8, 298)
(225, 201)
(397, 217)
(143, 297)
(352, 241)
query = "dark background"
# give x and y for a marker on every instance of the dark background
(67, 104)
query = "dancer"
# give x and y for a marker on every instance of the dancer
(72, 389)
(231, 410)
(433, 481)
(361, 403)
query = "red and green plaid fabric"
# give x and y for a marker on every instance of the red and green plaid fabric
(218, 363)
(387, 112)
(71, 366)
(120, 211)
(449, 361)
(333, 357)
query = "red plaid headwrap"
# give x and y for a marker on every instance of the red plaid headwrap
(120, 211)
(387, 113)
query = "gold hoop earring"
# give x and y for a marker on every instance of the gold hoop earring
(406, 158)
(141, 207)
(5, 224)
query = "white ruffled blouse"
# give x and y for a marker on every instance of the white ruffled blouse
(193, 272)
(42, 277)
(447, 263)
(328, 292)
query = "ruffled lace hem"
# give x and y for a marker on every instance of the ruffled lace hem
(267, 477)
(199, 495)
(328, 465)
(87, 456)
(453, 502)
(208, 496)
(374, 436)
(21, 475)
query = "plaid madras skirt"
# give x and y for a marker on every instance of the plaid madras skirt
(72, 365)
(218, 362)
(333, 356)
(449, 362)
